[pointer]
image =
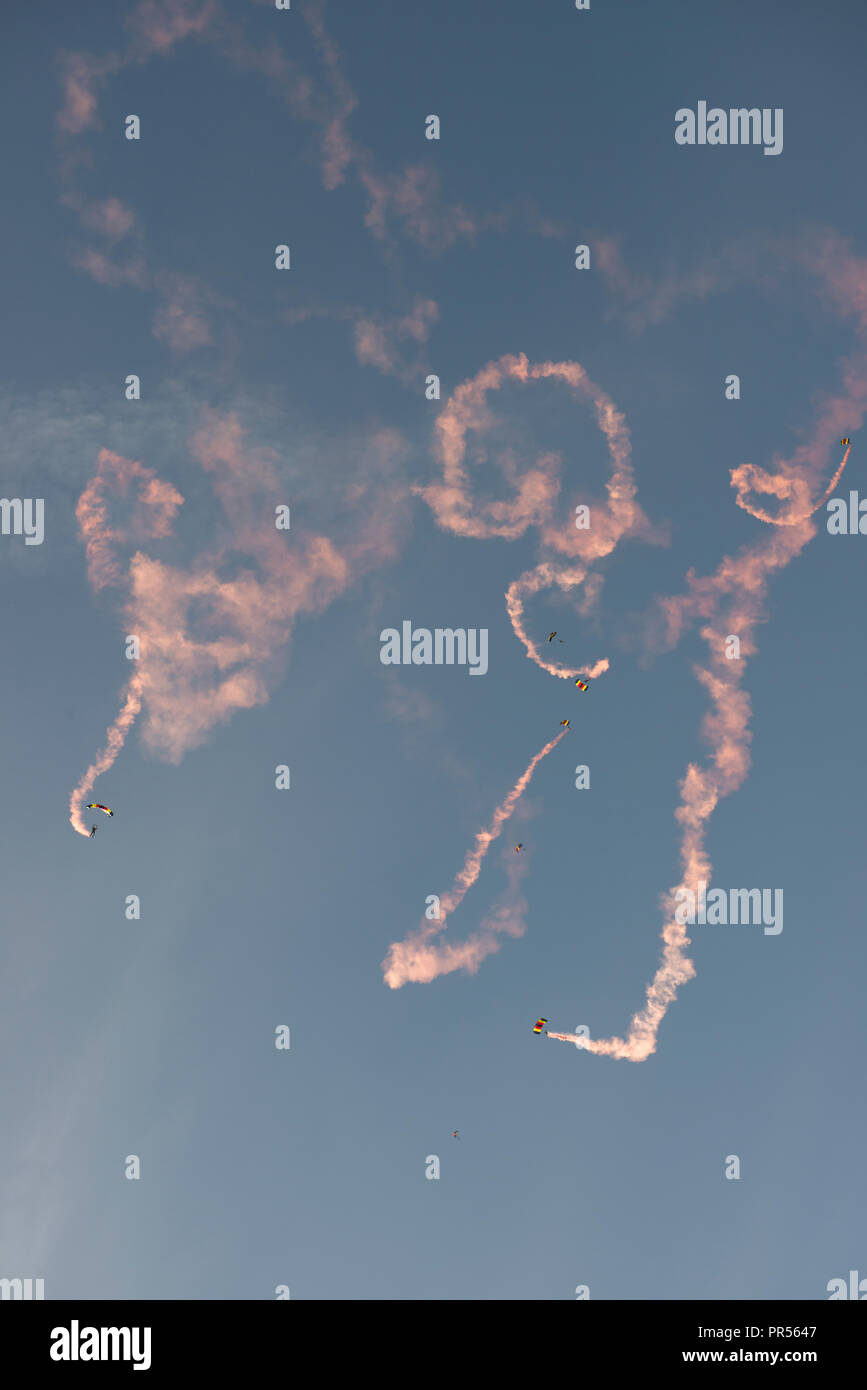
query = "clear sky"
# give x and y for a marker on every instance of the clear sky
(305, 387)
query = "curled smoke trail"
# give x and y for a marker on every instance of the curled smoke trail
(417, 957)
(212, 635)
(731, 600)
(537, 492)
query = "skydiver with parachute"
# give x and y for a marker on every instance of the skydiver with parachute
(97, 806)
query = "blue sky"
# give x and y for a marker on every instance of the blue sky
(155, 1037)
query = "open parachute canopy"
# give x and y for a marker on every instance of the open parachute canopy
(97, 806)
(539, 1025)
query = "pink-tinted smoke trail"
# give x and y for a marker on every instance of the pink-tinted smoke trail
(417, 957)
(730, 601)
(212, 635)
(117, 733)
(150, 506)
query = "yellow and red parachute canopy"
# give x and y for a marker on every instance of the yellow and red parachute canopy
(582, 685)
(97, 806)
(844, 442)
(539, 1025)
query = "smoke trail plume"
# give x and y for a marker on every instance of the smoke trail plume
(212, 636)
(117, 733)
(729, 601)
(545, 576)
(416, 957)
(732, 600)
(149, 516)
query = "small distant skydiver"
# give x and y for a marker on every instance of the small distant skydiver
(582, 685)
(98, 806)
(539, 1025)
(455, 1134)
(845, 442)
(552, 635)
(518, 847)
(92, 832)
(564, 723)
